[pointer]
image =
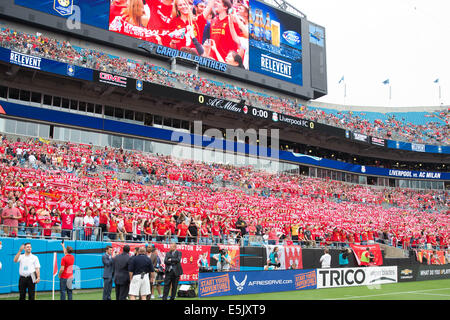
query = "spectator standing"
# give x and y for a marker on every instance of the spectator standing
(67, 218)
(325, 259)
(273, 258)
(66, 273)
(108, 271)
(343, 258)
(173, 271)
(365, 258)
(89, 223)
(121, 276)
(139, 269)
(11, 216)
(29, 271)
(159, 270)
(193, 230)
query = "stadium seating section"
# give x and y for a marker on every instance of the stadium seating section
(65, 182)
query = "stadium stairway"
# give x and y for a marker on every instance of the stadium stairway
(391, 252)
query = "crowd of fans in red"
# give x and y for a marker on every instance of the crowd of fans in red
(434, 132)
(49, 188)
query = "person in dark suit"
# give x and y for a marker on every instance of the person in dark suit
(108, 272)
(173, 271)
(121, 276)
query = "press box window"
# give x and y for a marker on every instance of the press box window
(56, 101)
(65, 103)
(25, 95)
(90, 108)
(109, 111)
(98, 108)
(14, 93)
(3, 92)
(129, 115)
(36, 97)
(139, 116)
(82, 106)
(74, 104)
(148, 119)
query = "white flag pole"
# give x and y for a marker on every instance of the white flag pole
(53, 284)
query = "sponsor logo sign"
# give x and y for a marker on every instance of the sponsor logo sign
(113, 79)
(70, 70)
(292, 37)
(25, 60)
(433, 272)
(377, 141)
(214, 285)
(348, 277)
(418, 147)
(406, 274)
(63, 7)
(235, 283)
(221, 104)
(139, 85)
(360, 137)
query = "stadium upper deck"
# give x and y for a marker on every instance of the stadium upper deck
(431, 127)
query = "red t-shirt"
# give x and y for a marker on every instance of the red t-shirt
(103, 218)
(31, 220)
(160, 19)
(112, 226)
(47, 226)
(215, 230)
(162, 229)
(204, 231)
(67, 221)
(221, 34)
(128, 224)
(67, 262)
(182, 229)
(178, 24)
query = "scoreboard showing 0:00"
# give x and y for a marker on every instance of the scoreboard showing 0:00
(260, 113)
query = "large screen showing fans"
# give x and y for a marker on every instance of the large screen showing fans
(246, 34)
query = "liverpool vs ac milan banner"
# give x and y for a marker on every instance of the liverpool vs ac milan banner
(374, 251)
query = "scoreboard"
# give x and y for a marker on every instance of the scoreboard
(244, 39)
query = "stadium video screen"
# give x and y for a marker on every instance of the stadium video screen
(243, 33)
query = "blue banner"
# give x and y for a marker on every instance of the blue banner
(90, 12)
(38, 63)
(417, 147)
(238, 283)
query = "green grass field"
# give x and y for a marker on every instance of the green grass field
(421, 290)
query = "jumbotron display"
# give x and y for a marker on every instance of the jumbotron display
(216, 34)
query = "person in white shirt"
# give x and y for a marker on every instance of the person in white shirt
(29, 271)
(325, 259)
(32, 159)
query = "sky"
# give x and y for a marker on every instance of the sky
(367, 42)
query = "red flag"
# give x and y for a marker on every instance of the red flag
(375, 250)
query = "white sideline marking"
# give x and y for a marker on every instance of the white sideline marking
(434, 294)
(387, 294)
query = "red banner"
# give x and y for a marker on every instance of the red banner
(293, 257)
(374, 250)
(190, 255)
(438, 256)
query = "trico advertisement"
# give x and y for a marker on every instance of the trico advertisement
(348, 277)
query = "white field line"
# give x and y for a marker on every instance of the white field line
(387, 294)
